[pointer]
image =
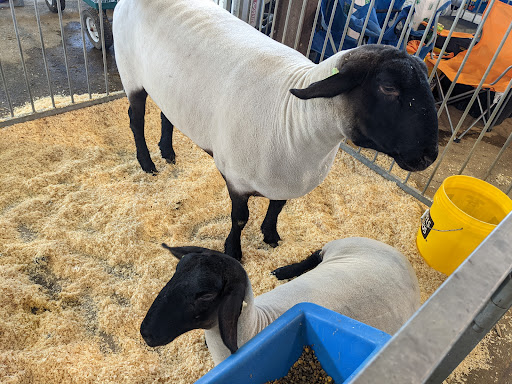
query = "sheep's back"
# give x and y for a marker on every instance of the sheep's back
(361, 278)
(197, 61)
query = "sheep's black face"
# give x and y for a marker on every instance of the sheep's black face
(398, 115)
(188, 301)
(192, 298)
(387, 103)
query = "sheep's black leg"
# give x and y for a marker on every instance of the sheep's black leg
(239, 217)
(297, 269)
(136, 112)
(268, 228)
(165, 143)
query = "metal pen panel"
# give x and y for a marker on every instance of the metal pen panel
(406, 27)
(466, 111)
(285, 28)
(9, 101)
(82, 32)
(274, 22)
(43, 50)
(415, 352)
(103, 49)
(16, 31)
(329, 28)
(506, 96)
(59, 11)
(463, 63)
(460, 11)
(386, 21)
(315, 23)
(502, 150)
(427, 29)
(300, 24)
(345, 28)
(365, 24)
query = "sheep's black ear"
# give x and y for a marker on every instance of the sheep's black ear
(179, 252)
(349, 76)
(229, 312)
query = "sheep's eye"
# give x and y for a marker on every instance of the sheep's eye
(207, 296)
(388, 90)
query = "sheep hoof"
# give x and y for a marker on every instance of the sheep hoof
(170, 160)
(234, 252)
(149, 167)
(282, 273)
(272, 240)
(168, 155)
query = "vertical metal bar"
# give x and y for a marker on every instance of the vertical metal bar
(406, 27)
(404, 38)
(5, 88)
(476, 13)
(427, 29)
(375, 156)
(45, 60)
(407, 177)
(463, 63)
(475, 94)
(286, 20)
(460, 11)
(329, 27)
(274, 21)
(86, 62)
(13, 14)
(345, 28)
(491, 167)
(103, 49)
(262, 11)
(235, 8)
(391, 166)
(301, 22)
(361, 35)
(505, 96)
(440, 88)
(62, 34)
(509, 189)
(386, 21)
(314, 28)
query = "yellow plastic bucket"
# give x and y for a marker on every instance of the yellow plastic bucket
(464, 211)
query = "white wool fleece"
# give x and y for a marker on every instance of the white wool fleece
(197, 61)
(361, 278)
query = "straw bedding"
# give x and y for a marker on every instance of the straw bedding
(80, 233)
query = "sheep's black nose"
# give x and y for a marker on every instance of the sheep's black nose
(430, 158)
(146, 335)
(149, 340)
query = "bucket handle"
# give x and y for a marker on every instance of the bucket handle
(427, 225)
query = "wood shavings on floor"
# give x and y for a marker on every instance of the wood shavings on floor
(80, 233)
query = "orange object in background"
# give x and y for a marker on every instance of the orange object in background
(493, 31)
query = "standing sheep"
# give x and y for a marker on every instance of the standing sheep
(271, 119)
(360, 278)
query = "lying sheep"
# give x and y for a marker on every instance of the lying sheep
(361, 278)
(271, 119)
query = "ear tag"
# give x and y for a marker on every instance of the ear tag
(334, 71)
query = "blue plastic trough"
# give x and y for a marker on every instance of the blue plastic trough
(341, 344)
